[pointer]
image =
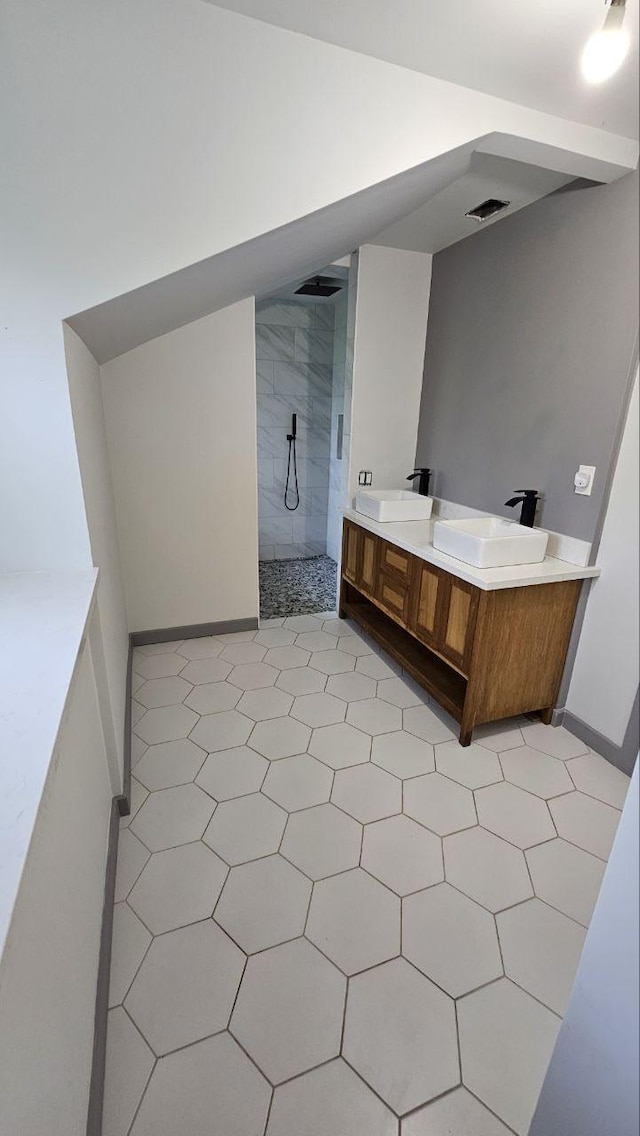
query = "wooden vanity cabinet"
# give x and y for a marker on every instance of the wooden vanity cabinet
(483, 655)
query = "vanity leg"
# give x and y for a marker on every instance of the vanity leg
(464, 737)
(546, 715)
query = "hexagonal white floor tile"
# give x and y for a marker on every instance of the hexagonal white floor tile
(541, 950)
(212, 697)
(222, 731)
(402, 855)
(425, 723)
(322, 841)
(177, 887)
(340, 746)
(300, 623)
(351, 687)
(166, 724)
(254, 676)
(186, 986)
(473, 766)
(287, 658)
(206, 647)
(355, 921)
(367, 793)
(333, 662)
(128, 1063)
(132, 857)
(554, 740)
(402, 692)
(536, 772)
(173, 816)
(288, 1015)
(486, 869)
(245, 829)
(328, 1101)
(403, 754)
(566, 878)
(261, 705)
(450, 939)
(400, 1035)
(130, 943)
(137, 796)
(138, 747)
(338, 627)
(275, 637)
(163, 691)
(439, 804)
(208, 1088)
(280, 737)
(583, 821)
(159, 666)
(301, 680)
(456, 1113)
(506, 1041)
(236, 637)
(169, 764)
(264, 903)
(357, 645)
(159, 648)
(137, 711)
(238, 653)
(316, 641)
(318, 709)
(298, 782)
(232, 773)
(375, 666)
(592, 775)
(514, 814)
(374, 716)
(206, 670)
(500, 736)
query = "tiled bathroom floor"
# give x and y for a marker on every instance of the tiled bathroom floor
(331, 920)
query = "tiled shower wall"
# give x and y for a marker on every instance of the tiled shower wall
(294, 351)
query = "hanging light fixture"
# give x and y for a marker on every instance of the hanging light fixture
(606, 50)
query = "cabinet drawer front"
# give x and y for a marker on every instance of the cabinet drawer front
(394, 597)
(395, 560)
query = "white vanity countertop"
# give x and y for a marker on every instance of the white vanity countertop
(43, 619)
(417, 537)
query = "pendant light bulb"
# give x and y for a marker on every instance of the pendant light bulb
(605, 52)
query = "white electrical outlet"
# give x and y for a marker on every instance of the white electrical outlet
(583, 480)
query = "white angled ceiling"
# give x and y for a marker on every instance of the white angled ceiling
(526, 51)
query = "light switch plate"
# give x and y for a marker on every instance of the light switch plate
(583, 481)
(365, 477)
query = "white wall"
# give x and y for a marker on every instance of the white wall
(605, 674)
(49, 967)
(591, 1088)
(144, 137)
(111, 638)
(390, 332)
(180, 415)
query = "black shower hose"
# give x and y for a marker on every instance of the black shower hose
(292, 467)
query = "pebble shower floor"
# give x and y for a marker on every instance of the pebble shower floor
(297, 587)
(330, 919)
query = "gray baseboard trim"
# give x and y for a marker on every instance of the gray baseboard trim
(96, 1087)
(192, 631)
(622, 756)
(124, 799)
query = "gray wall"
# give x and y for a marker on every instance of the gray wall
(532, 331)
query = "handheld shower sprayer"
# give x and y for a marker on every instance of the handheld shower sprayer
(292, 468)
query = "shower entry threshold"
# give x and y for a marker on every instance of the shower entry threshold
(297, 587)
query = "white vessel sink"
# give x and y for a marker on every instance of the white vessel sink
(490, 542)
(393, 505)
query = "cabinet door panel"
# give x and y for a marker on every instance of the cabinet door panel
(368, 565)
(459, 623)
(430, 597)
(350, 552)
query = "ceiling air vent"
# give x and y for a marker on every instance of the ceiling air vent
(321, 286)
(487, 209)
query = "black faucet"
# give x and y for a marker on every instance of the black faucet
(529, 501)
(423, 484)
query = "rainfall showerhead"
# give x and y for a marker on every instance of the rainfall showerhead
(320, 286)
